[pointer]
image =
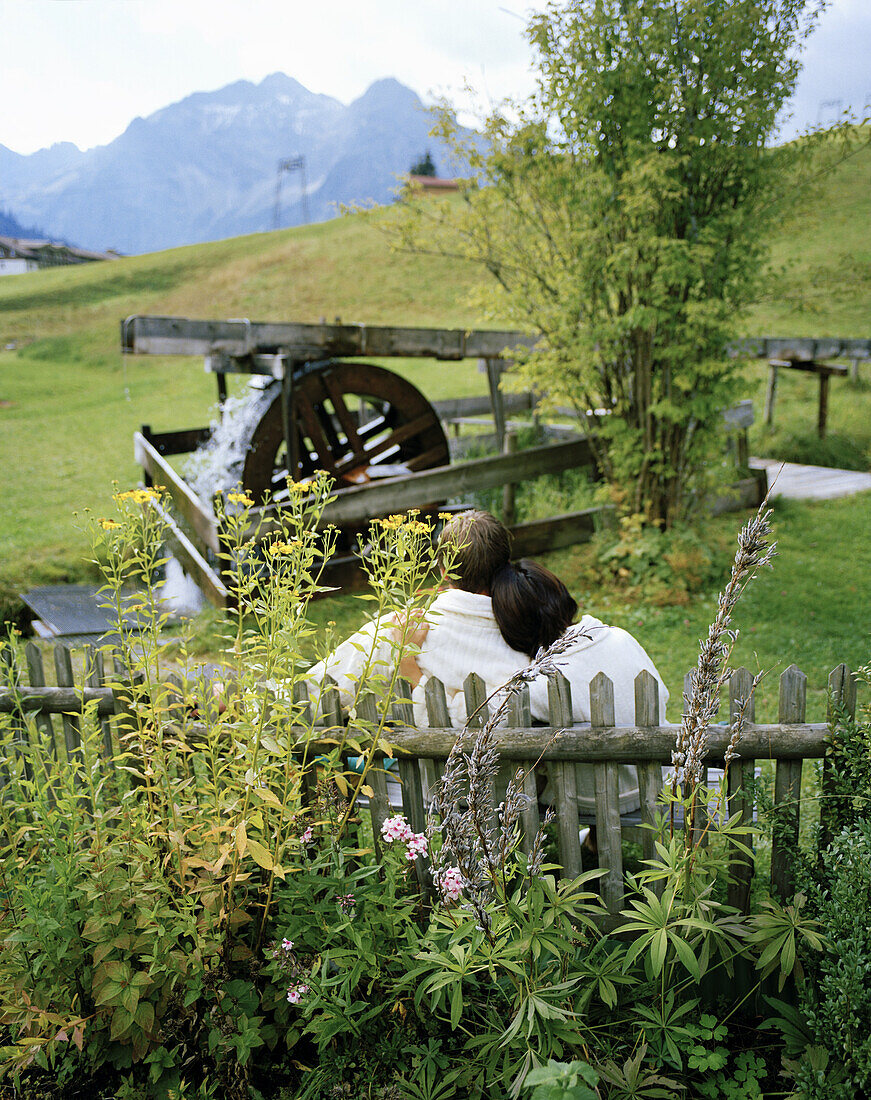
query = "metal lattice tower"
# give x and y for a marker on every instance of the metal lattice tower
(286, 166)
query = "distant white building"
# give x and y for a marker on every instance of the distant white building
(19, 255)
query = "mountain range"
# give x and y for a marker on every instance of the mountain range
(206, 167)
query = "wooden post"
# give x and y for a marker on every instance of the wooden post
(63, 668)
(771, 394)
(9, 677)
(842, 694)
(95, 678)
(379, 804)
(854, 370)
(520, 717)
(824, 403)
(494, 368)
(609, 837)
(44, 723)
(649, 771)
(568, 839)
(740, 781)
(509, 489)
(787, 786)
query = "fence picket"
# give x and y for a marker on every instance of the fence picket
(63, 667)
(379, 804)
(609, 838)
(43, 721)
(559, 701)
(842, 695)
(649, 771)
(520, 716)
(787, 786)
(740, 782)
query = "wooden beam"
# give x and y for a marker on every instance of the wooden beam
(397, 494)
(192, 560)
(622, 744)
(541, 535)
(181, 336)
(201, 518)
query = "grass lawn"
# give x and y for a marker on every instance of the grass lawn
(811, 610)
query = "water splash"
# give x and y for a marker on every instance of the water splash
(217, 466)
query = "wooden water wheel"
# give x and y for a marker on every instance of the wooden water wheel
(355, 420)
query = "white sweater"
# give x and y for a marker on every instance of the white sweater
(607, 649)
(615, 652)
(463, 637)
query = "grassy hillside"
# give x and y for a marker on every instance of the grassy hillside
(69, 402)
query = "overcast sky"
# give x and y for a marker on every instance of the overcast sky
(81, 70)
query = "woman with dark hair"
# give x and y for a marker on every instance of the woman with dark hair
(533, 608)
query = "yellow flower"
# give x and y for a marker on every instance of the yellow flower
(445, 516)
(109, 524)
(298, 488)
(240, 498)
(279, 548)
(139, 496)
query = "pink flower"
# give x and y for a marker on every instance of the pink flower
(296, 993)
(286, 944)
(396, 828)
(450, 883)
(306, 837)
(346, 902)
(416, 846)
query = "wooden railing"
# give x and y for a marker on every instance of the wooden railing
(559, 747)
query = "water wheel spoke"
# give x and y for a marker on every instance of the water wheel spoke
(399, 435)
(314, 429)
(345, 418)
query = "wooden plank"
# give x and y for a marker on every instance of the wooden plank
(436, 703)
(400, 493)
(559, 701)
(624, 744)
(181, 336)
(740, 779)
(649, 772)
(96, 679)
(477, 709)
(457, 408)
(36, 675)
(609, 838)
(201, 518)
(192, 560)
(379, 803)
(329, 705)
(176, 443)
(771, 394)
(541, 536)
(842, 694)
(787, 787)
(11, 677)
(63, 667)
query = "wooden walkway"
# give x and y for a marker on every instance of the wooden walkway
(797, 482)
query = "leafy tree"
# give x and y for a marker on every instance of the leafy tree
(621, 212)
(423, 167)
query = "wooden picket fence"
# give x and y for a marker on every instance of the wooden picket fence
(560, 747)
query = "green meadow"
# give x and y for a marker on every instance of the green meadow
(70, 402)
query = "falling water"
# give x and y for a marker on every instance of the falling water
(217, 466)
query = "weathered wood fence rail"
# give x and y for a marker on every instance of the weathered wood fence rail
(559, 749)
